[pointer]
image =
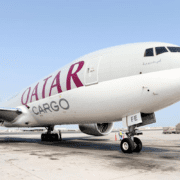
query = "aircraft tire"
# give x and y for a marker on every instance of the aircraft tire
(44, 137)
(60, 136)
(54, 137)
(49, 137)
(127, 145)
(138, 142)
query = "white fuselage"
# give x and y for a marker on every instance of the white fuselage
(103, 86)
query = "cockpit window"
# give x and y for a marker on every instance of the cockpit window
(160, 50)
(149, 52)
(174, 49)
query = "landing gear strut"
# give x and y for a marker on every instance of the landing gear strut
(131, 143)
(50, 136)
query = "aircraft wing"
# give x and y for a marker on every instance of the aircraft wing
(9, 114)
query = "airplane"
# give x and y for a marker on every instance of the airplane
(127, 83)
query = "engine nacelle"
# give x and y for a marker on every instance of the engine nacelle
(99, 129)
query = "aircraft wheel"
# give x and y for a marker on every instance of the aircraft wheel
(127, 145)
(138, 143)
(49, 137)
(43, 137)
(54, 137)
(60, 136)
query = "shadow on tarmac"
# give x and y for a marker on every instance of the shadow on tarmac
(105, 150)
(83, 143)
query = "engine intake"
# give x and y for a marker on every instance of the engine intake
(99, 129)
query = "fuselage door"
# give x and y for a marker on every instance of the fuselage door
(91, 73)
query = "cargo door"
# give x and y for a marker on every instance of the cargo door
(91, 73)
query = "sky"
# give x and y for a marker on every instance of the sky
(38, 37)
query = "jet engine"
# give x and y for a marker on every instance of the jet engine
(99, 129)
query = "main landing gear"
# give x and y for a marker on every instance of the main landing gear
(131, 143)
(51, 136)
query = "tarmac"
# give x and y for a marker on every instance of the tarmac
(83, 157)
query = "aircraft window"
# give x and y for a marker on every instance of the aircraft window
(149, 52)
(160, 50)
(174, 49)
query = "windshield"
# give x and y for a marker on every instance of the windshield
(174, 49)
(160, 50)
(149, 52)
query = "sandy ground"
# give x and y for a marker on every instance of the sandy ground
(83, 157)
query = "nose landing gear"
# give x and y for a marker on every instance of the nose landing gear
(131, 143)
(138, 145)
(51, 136)
(127, 145)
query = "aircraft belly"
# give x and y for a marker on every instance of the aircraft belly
(111, 100)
